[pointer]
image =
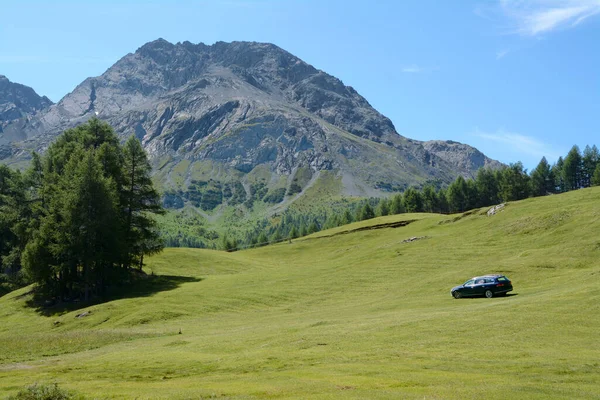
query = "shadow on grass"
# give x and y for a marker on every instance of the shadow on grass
(145, 286)
(495, 297)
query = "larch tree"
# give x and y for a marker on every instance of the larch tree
(596, 176)
(542, 180)
(412, 200)
(139, 199)
(572, 169)
(591, 157)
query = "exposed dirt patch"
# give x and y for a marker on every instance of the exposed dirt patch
(414, 238)
(397, 224)
(476, 211)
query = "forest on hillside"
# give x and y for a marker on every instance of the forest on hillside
(79, 219)
(490, 187)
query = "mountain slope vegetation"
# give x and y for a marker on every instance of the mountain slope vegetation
(344, 313)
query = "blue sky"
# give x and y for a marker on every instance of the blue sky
(516, 79)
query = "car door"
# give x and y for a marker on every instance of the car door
(479, 287)
(468, 288)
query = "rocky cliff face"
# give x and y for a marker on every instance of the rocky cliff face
(463, 157)
(17, 102)
(246, 114)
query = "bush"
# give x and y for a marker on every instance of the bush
(275, 196)
(45, 392)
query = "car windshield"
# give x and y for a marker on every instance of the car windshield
(469, 282)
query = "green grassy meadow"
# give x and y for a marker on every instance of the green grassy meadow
(359, 315)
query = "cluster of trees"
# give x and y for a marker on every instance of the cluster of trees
(79, 219)
(490, 187)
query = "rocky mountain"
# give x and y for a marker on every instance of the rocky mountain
(17, 102)
(238, 122)
(463, 157)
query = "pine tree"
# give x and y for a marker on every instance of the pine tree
(514, 183)
(397, 206)
(430, 199)
(542, 181)
(557, 172)
(412, 200)
(13, 208)
(572, 169)
(225, 243)
(92, 224)
(139, 199)
(472, 196)
(346, 217)
(383, 208)
(262, 239)
(276, 236)
(487, 187)
(457, 195)
(443, 201)
(591, 157)
(596, 176)
(313, 227)
(366, 212)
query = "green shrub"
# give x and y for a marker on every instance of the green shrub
(45, 392)
(275, 196)
(294, 188)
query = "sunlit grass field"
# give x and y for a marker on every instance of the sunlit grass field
(360, 315)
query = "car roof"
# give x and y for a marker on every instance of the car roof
(487, 276)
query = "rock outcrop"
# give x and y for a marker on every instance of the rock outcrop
(17, 102)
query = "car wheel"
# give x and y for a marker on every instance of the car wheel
(456, 295)
(489, 294)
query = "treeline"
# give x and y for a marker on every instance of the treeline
(79, 219)
(576, 170)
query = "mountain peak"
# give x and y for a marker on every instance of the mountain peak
(250, 110)
(18, 100)
(159, 43)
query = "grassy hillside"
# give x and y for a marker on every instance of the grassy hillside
(341, 315)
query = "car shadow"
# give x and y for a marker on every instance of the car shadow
(495, 297)
(145, 286)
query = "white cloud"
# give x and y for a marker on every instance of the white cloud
(535, 17)
(500, 54)
(412, 69)
(521, 144)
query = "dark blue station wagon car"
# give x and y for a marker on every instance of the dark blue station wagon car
(486, 285)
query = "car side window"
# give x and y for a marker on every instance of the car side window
(469, 282)
(480, 281)
(489, 281)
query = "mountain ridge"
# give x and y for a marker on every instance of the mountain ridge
(243, 108)
(18, 102)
